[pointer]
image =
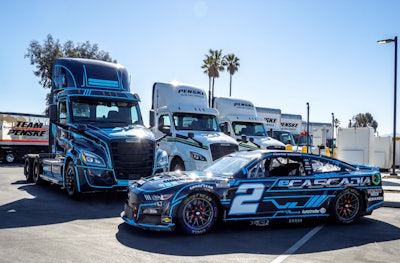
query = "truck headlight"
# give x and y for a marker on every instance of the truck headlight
(92, 159)
(162, 158)
(197, 157)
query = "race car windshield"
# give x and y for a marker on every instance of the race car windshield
(227, 165)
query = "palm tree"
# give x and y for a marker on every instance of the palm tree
(207, 62)
(212, 66)
(231, 62)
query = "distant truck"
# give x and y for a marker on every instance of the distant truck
(238, 119)
(97, 139)
(273, 124)
(22, 133)
(186, 127)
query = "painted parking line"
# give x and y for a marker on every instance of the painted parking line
(298, 244)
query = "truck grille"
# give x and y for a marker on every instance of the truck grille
(221, 149)
(132, 160)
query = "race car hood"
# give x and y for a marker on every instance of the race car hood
(167, 180)
(131, 132)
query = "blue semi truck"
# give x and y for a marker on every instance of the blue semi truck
(97, 140)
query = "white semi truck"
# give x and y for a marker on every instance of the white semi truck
(273, 123)
(186, 127)
(22, 133)
(238, 118)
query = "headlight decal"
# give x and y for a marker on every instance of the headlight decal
(92, 159)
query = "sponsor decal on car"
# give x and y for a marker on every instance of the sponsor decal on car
(201, 186)
(374, 192)
(324, 182)
(314, 211)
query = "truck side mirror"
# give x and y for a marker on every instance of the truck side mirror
(53, 113)
(151, 118)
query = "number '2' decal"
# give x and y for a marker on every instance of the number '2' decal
(247, 203)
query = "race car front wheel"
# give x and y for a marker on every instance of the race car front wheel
(197, 214)
(347, 206)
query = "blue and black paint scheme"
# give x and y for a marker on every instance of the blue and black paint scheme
(97, 139)
(346, 194)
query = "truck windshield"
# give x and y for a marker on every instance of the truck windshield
(284, 136)
(105, 113)
(195, 122)
(249, 128)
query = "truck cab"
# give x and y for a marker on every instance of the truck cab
(97, 139)
(239, 120)
(186, 128)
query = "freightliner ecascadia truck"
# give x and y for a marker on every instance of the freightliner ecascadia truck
(22, 133)
(97, 138)
(238, 118)
(186, 127)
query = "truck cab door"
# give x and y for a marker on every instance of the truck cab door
(61, 136)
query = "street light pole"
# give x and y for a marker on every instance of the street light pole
(333, 133)
(385, 41)
(308, 127)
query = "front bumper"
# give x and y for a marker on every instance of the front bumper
(147, 222)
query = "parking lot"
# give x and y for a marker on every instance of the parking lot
(41, 224)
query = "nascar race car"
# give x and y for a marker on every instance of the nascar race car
(257, 186)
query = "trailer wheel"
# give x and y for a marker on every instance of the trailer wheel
(37, 170)
(71, 183)
(28, 170)
(10, 157)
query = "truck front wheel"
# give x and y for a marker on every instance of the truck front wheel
(177, 164)
(71, 183)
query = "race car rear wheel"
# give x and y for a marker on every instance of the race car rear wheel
(197, 214)
(347, 206)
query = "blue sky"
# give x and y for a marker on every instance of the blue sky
(291, 52)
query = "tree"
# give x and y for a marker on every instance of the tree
(231, 62)
(364, 120)
(43, 56)
(212, 66)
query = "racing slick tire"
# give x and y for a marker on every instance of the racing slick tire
(177, 164)
(28, 170)
(37, 169)
(197, 214)
(347, 206)
(71, 183)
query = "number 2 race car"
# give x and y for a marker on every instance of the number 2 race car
(257, 186)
